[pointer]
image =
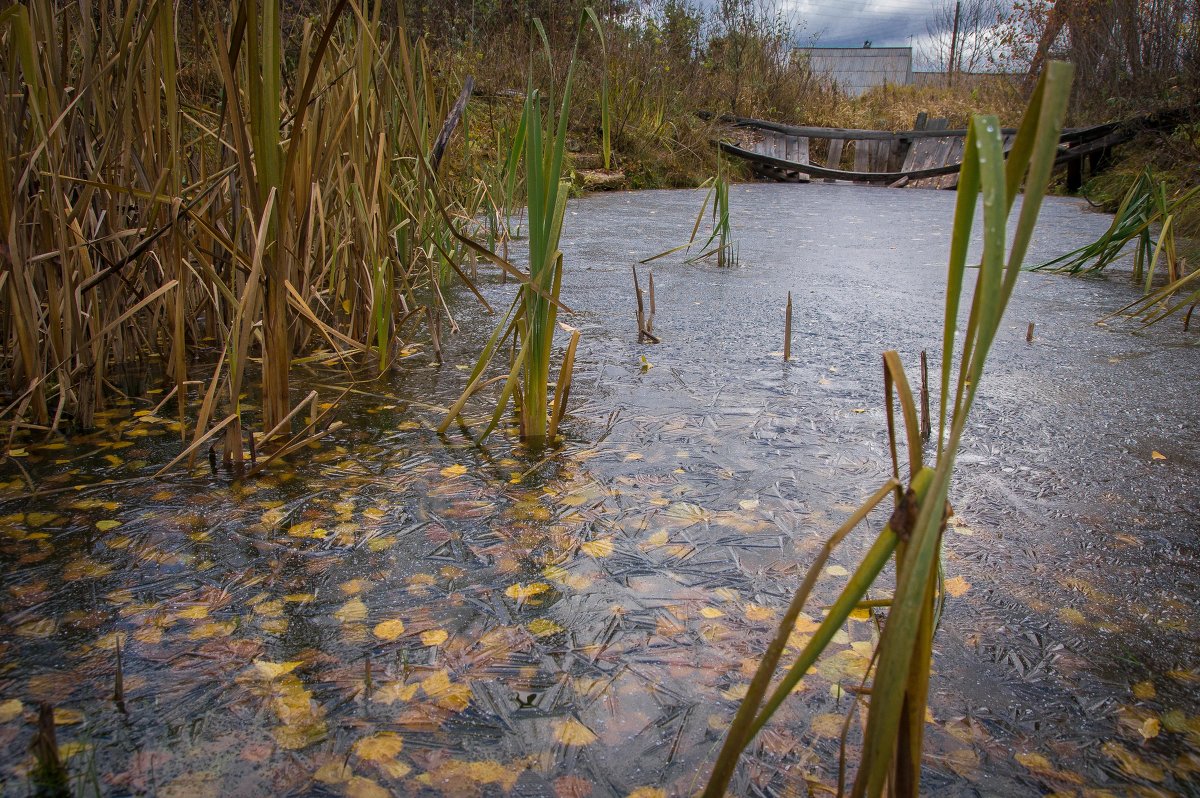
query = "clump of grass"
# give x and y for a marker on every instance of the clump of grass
(531, 321)
(719, 243)
(1178, 294)
(276, 215)
(1146, 205)
(892, 747)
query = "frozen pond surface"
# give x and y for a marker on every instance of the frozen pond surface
(583, 625)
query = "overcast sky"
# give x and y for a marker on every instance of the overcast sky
(848, 23)
(884, 23)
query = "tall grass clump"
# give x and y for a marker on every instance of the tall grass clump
(719, 243)
(532, 319)
(893, 737)
(178, 191)
(1146, 205)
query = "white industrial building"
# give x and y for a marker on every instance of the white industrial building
(856, 69)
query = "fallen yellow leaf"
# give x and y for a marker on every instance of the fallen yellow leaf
(434, 637)
(454, 471)
(12, 708)
(67, 717)
(1070, 615)
(736, 692)
(1131, 763)
(359, 787)
(601, 547)
(957, 586)
(828, 725)
(660, 538)
(519, 592)
(40, 628)
(273, 670)
(389, 630)
(307, 529)
(542, 627)
(648, 792)
(334, 772)
(379, 747)
(805, 623)
(572, 732)
(1156, 455)
(756, 612)
(352, 610)
(1034, 761)
(211, 629)
(447, 694)
(1144, 690)
(393, 692)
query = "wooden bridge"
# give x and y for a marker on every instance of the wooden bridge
(928, 156)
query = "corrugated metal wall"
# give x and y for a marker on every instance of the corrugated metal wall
(856, 69)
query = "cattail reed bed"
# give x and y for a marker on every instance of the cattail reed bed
(296, 208)
(530, 621)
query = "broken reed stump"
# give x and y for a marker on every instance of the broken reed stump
(119, 682)
(645, 324)
(925, 429)
(49, 775)
(433, 318)
(787, 330)
(650, 320)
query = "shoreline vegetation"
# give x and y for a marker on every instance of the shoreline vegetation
(185, 189)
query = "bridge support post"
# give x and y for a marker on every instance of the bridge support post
(1074, 175)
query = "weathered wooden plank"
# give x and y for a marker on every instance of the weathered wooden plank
(914, 146)
(954, 156)
(931, 152)
(1068, 135)
(837, 174)
(862, 155)
(834, 159)
(934, 155)
(881, 151)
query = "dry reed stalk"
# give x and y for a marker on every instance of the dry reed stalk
(925, 427)
(645, 322)
(787, 330)
(113, 166)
